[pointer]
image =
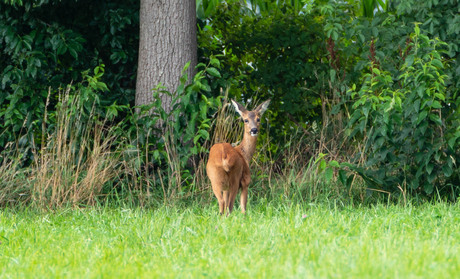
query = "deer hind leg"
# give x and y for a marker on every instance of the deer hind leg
(244, 199)
(219, 182)
(232, 200)
(234, 185)
(226, 201)
(220, 200)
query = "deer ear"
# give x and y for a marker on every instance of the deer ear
(239, 108)
(262, 107)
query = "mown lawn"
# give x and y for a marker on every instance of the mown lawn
(272, 241)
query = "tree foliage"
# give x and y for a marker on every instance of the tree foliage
(275, 55)
(48, 44)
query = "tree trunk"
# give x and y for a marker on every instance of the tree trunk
(167, 42)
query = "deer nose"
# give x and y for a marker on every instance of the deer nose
(254, 131)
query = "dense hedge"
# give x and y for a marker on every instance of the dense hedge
(46, 45)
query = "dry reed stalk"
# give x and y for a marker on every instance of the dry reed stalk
(14, 186)
(75, 162)
(173, 160)
(226, 125)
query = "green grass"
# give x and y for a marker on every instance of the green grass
(272, 241)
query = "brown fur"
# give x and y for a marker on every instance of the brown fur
(228, 166)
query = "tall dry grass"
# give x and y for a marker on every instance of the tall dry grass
(14, 188)
(75, 161)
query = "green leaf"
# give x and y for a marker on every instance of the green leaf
(204, 134)
(201, 65)
(214, 72)
(422, 116)
(414, 184)
(6, 78)
(322, 165)
(215, 62)
(440, 96)
(334, 164)
(435, 118)
(429, 168)
(447, 171)
(410, 60)
(335, 35)
(451, 142)
(436, 105)
(196, 138)
(437, 63)
(332, 75)
(329, 174)
(417, 29)
(376, 71)
(428, 187)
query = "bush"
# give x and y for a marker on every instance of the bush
(50, 43)
(164, 151)
(409, 123)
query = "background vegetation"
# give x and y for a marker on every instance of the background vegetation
(365, 102)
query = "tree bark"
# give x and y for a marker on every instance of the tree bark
(167, 42)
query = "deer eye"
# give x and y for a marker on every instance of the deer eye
(258, 119)
(246, 121)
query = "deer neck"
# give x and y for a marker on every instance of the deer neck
(247, 147)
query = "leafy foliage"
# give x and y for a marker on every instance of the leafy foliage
(407, 121)
(438, 18)
(270, 55)
(164, 148)
(47, 44)
(208, 8)
(307, 61)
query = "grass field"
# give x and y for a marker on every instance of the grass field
(272, 241)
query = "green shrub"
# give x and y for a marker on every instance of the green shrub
(409, 123)
(50, 43)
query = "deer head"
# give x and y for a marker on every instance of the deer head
(251, 119)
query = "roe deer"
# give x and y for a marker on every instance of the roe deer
(228, 166)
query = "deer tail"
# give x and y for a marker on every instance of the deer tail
(225, 159)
